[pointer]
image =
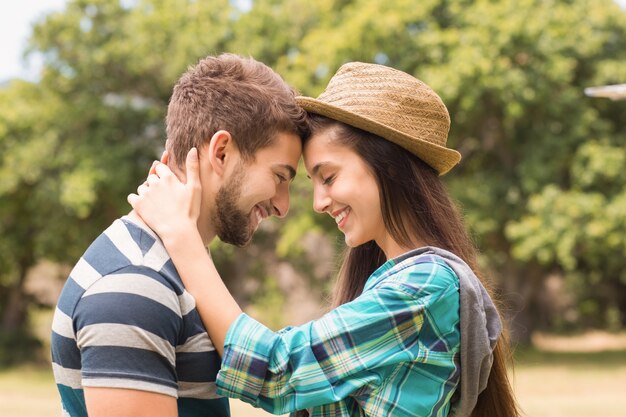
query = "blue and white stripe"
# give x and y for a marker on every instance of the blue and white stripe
(124, 320)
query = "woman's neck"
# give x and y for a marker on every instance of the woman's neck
(393, 249)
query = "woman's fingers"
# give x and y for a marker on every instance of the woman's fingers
(152, 179)
(153, 167)
(162, 170)
(165, 157)
(142, 189)
(192, 166)
(163, 196)
(132, 199)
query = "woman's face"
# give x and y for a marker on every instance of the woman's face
(345, 188)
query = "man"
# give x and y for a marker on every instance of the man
(126, 337)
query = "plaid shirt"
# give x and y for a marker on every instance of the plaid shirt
(393, 351)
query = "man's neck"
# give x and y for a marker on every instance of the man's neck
(135, 218)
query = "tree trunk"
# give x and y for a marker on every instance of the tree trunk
(15, 312)
(523, 286)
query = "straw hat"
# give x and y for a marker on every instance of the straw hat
(390, 104)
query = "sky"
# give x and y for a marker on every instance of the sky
(16, 18)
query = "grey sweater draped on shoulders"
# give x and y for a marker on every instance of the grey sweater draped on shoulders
(480, 327)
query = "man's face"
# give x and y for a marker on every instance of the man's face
(256, 190)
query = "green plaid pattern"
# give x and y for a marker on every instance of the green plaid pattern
(393, 351)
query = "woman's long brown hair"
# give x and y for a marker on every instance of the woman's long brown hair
(415, 203)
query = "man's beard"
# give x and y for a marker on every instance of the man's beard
(231, 224)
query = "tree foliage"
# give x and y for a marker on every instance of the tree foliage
(542, 176)
(542, 179)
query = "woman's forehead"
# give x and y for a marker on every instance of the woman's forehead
(321, 143)
(323, 149)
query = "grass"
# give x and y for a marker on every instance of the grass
(564, 377)
(548, 384)
(573, 384)
(29, 391)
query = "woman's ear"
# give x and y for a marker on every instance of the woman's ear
(220, 151)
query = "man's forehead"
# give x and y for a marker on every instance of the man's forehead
(282, 154)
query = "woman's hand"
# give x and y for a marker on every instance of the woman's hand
(168, 206)
(171, 208)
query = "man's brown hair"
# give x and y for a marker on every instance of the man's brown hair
(239, 95)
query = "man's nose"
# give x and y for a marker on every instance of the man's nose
(280, 202)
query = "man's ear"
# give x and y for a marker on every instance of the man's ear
(220, 151)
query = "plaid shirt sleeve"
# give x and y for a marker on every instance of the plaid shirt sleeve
(326, 360)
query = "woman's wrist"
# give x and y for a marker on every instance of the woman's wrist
(214, 302)
(181, 237)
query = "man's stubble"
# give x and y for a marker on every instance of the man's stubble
(231, 223)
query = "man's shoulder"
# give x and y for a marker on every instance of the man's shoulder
(126, 243)
(123, 251)
(125, 303)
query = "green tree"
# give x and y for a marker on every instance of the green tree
(76, 142)
(541, 179)
(512, 74)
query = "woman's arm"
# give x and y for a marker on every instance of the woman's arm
(353, 350)
(171, 208)
(217, 308)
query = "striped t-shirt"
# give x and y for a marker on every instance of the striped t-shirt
(124, 320)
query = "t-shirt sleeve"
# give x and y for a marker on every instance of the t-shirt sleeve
(126, 327)
(326, 360)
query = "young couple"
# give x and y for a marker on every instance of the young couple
(145, 326)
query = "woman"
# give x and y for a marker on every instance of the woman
(412, 331)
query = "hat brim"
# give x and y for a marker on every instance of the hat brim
(442, 159)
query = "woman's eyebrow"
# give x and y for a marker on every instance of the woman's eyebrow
(318, 166)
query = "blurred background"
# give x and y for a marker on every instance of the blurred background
(84, 87)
